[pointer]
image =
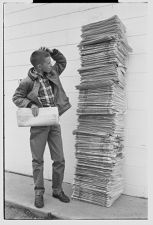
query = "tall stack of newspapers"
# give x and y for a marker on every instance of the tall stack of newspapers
(100, 131)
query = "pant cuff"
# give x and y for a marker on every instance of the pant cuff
(57, 191)
(39, 192)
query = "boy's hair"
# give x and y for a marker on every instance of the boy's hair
(38, 56)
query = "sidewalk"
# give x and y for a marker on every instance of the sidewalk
(19, 192)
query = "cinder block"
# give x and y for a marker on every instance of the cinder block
(135, 137)
(136, 26)
(135, 156)
(136, 82)
(137, 63)
(135, 190)
(69, 82)
(128, 10)
(133, 118)
(135, 175)
(138, 43)
(137, 100)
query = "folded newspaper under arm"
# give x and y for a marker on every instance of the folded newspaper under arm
(46, 117)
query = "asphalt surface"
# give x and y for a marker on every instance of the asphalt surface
(19, 193)
(15, 213)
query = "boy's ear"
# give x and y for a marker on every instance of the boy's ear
(39, 66)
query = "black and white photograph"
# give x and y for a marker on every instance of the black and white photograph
(75, 111)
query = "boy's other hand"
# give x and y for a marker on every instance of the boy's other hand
(35, 110)
(46, 49)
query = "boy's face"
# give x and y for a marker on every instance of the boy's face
(46, 66)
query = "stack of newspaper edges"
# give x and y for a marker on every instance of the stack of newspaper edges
(99, 135)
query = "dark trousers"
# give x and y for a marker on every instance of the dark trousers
(39, 136)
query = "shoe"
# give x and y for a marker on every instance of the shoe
(39, 201)
(62, 197)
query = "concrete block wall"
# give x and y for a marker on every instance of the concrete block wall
(29, 26)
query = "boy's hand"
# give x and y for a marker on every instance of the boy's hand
(46, 49)
(35, 110)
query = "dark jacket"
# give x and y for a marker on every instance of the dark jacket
(27, 92)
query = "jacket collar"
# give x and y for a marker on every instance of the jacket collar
(33, 74)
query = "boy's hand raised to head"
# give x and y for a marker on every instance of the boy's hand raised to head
(35, 110)
(46, 49)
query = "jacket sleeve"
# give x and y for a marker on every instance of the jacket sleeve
(20, 96)
(60, 61)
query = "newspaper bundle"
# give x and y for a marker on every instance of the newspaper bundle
(100, 132)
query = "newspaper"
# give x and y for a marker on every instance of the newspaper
(46, 117)
(99, 134)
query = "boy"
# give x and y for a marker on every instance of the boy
(42, 88)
